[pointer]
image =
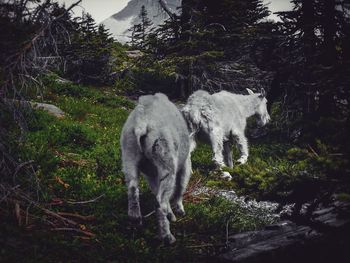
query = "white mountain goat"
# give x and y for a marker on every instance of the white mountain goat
(221, 118)
(155, 141)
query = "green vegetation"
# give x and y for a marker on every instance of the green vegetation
(56, 166)
(78, 158)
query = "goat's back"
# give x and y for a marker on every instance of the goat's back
(223, 109)
(157, 128)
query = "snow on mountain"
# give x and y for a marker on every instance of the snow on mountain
(119, 23)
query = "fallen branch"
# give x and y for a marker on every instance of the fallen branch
(85, 218)
(201, 246)
(56, 215)
(87, 233)
(85, 202)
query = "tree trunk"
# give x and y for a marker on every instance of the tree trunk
(329, 31)
(308, 24)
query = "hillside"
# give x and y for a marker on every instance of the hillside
(78, 165)
(67, 88)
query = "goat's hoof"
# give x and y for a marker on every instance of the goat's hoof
(169, 240)
(135, 220)
(171, 217)
(226, 175)
(242, 160)
(180, 210)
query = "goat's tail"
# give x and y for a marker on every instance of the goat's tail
(140, 129)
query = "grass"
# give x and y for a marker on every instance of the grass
(78, 158)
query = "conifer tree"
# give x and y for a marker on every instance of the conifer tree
(206, 32)
(89, 53)
(140, 31)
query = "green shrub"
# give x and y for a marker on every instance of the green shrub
(115, 102)
(55, 84)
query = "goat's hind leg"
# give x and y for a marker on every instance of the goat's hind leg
(150, 170)
(165, 191)
(131, 172)
(170, 214)
(227, 152)
(182, 180)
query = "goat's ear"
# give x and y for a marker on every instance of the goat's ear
(250, 92)
(262, 93)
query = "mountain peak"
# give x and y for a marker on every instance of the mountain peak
(119, 23)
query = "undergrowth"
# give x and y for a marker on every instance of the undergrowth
(78, 158)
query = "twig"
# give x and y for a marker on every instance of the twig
(85, 218)
(217, 24)
(9, 192)
(85, 202)
(149, 214)
(19, 167)
(200, 246)
(227, 231)
(312, 150)
(87, 233)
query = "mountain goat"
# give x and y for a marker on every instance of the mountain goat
(155, 141)
(221, 118)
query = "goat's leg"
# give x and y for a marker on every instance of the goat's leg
(228, 154)
(170, 213)
(182, 180)
(132, 180)
(217, 140)
(242, 144)
(163, 224)
(217, 143)
(165, 190)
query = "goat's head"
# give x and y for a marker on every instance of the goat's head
(261, 112)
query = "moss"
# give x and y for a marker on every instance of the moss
(343, 197)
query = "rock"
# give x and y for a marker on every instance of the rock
(134, 53)
(330, 218)
(254, 245)
(325, 239)
(62, 80)
(266, 210)
(51, 109)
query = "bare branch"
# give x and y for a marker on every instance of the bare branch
(167, 9)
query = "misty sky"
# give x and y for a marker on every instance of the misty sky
(99, 9)
(102, 9)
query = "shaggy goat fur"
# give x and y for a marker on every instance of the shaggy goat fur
(222, 117)
(155, 141)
